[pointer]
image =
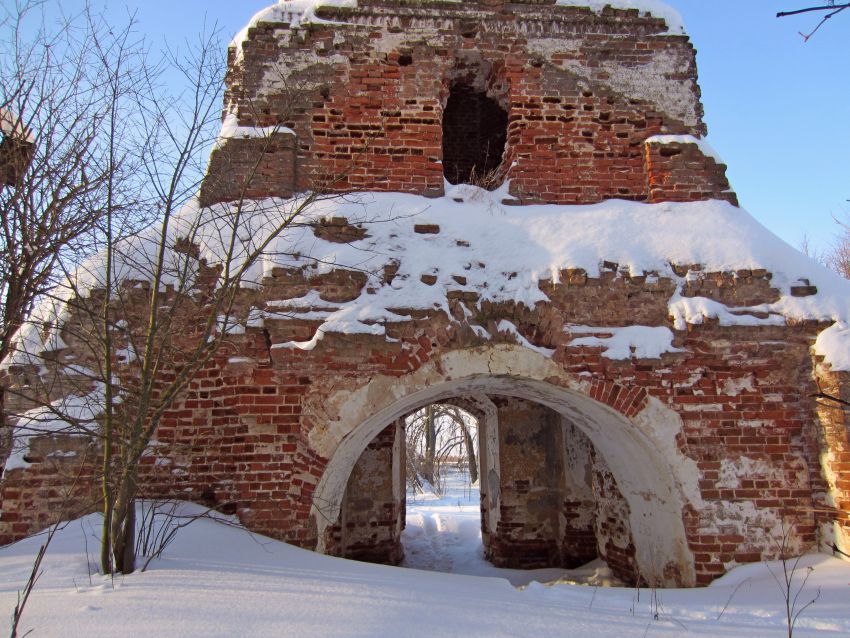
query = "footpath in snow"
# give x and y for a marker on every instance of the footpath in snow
(443, 534)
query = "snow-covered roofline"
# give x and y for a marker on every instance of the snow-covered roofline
(11, 125)
(657, 8)
(299, 12)
(500, 253)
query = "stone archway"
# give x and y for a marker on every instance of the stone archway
(656, 479)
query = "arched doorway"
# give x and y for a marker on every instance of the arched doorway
(653, 477)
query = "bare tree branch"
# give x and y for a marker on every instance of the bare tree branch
(833, 9)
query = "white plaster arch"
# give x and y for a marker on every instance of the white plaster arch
(654, 477)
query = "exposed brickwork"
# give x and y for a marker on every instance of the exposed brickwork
(579, 544)
(532, 472)
(15, 156)
(240, 438)
(366, 98)
(728, 415)
(61, 485)
(250, 168)
(833, 446)
(372, 514)
(613, 535)
(681, 173)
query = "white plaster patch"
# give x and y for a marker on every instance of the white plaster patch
(663, 425)
(732, 471)
(746, 519)
(286, 77)
(649, 82)
(734, 387)
(693, 378)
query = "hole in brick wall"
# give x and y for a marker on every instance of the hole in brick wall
(405, 60)
(475, 130)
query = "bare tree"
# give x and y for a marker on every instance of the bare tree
(149, 343)
(438, 435)
(792, 580)
(54, 115)
(837, 256)
(141, 318)
(827, 11)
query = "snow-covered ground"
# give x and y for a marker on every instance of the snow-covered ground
(443, 534)
(217, 580)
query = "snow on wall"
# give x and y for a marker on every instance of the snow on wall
(703, 145)
(296, 12)
(652, 83)
(834, 345)
(643, 342)
(501, 253)
(78, 418)
(303, 12)
(675, 24)
(12, 126)
(230, 129)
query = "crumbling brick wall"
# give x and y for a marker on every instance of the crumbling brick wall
(364, 94)
(259, 428)
(241, 436)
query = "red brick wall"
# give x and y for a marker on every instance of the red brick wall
(679, 172)
(368, 116)
(242, 438)
(372, 513)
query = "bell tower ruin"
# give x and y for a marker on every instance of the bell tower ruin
(569, 105)
(529, 225)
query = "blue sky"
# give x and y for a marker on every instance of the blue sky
(776, 107)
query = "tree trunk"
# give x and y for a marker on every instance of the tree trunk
(5, 432)
(430, 445)
(469, 443)
(123, 527)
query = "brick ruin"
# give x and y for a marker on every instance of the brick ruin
(16, 147)
(673, 467)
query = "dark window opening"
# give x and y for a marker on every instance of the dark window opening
(475, 129)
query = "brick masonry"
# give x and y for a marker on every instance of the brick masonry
(365, 100)
(242, 438)
(723, 432)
